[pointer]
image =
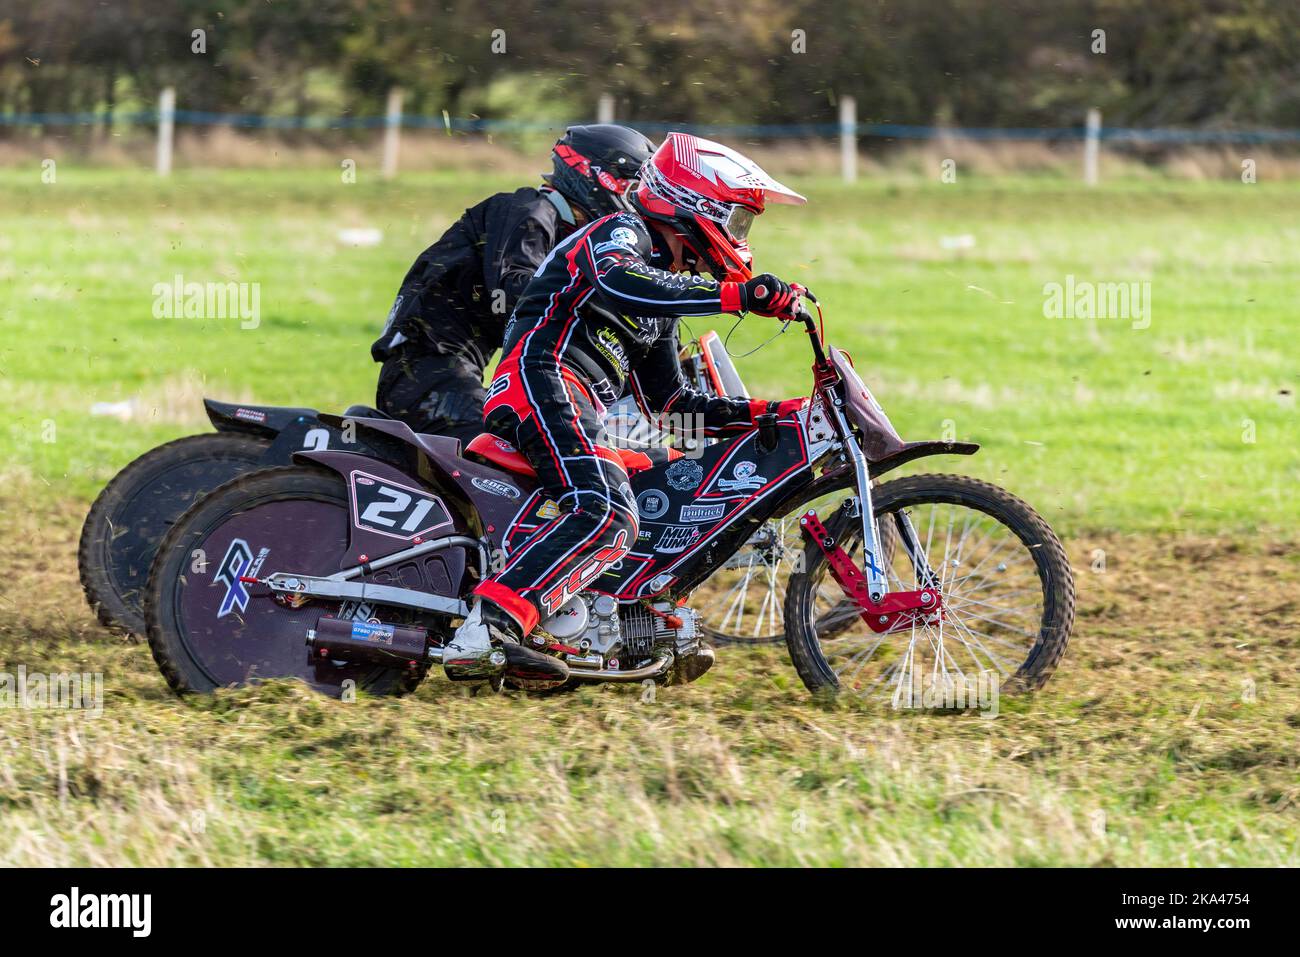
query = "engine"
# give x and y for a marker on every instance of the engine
(623, 634)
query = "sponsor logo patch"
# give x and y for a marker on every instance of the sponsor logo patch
(250, 415)
(685, 474)
(619, 238)
(237, 563)
(629, 497)
(549, 509)
(651, 503)
(677, 538)
(623, 236)
(493, 487)
(499, 385)
(572, 583)
(743, 479)
(702, 513)
(611, 347)
(376, 633)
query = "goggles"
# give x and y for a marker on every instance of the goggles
(738, 223)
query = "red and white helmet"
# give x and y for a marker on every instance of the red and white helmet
(709, 195)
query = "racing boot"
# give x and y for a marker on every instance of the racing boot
(526, 666)
(488, 645)
(472, 654)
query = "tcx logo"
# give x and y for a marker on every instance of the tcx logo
(570, 585)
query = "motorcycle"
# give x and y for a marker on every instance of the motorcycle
(133, 512)
(352, 569)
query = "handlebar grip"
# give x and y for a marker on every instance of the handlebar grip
(803, 291)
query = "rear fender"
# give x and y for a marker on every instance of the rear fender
(389, 511)
(267, 421)
(491, 499)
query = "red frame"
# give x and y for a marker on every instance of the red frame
(896, 609)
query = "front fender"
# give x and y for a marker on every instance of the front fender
(909, 451)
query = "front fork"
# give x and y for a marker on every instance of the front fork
(877, 582)
(882, 610)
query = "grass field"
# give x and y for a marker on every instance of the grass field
(1169, 735)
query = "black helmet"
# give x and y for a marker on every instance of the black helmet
(595, 165)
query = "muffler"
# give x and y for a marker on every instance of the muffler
(369, 642)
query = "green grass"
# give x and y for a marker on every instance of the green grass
(1100, 425)
(1168, 737)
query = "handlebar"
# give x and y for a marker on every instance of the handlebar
(801, 311)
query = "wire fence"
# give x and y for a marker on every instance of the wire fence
(151, 118)
(848, 130)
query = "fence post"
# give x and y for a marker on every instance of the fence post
(605, 108)
(166, 130)
(392, 132)
(1091, 139)
(848, 139)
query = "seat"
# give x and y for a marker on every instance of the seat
(501, 453)
(364, 412)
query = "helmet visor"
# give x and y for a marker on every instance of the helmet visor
(738, 223)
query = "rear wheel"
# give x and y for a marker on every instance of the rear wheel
(747, 594)
(135, 510)
(206, 632)
(1006, 585)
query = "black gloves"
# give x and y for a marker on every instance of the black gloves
(767, 296)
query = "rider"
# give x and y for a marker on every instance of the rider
(603, 311)
(451, 309)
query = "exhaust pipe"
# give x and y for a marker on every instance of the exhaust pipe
(655, 669)
(342, 639)
(403, 646)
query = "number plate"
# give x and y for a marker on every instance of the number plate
(397, 511)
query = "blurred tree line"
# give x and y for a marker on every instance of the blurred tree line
(970, 62)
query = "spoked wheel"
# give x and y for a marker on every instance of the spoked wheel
(745, 598)
(207, 632)
(1006, 587)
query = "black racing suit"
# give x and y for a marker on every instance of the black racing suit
(448, 319)
(597, 315)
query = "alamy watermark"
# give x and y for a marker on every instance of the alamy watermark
(681, 432)
(179, 299)
(56, 690)
(133, 912)
(1081, 299)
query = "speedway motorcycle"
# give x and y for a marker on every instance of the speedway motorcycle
(131, 515)
(352, 569)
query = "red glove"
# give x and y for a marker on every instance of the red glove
(767, 296)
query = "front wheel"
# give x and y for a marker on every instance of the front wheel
(1006, 586)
